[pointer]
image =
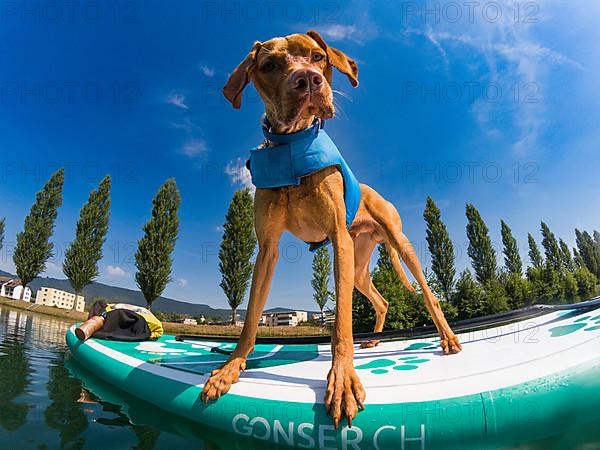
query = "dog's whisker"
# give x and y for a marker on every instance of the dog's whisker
(339, 110)
(342, 94)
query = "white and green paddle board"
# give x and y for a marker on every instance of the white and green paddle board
(512, 383)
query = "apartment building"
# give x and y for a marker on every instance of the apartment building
(61, 299)
(284, 318)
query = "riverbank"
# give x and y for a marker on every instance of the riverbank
(74, 316)
(170, 327)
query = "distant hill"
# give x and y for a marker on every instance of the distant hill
(114, 293)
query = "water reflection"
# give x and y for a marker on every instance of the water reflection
(146, 436)
(44, 404)
(65, 413)
(47, 332)
(14, 372)
(126, 409)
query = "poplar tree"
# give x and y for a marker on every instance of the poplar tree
(81, 258)
(512, 258)
(579, 262)
(590, 253)
(322, 267)
(567, 258)
(480, 250)
(534, 253)
(237, 249)
(153, 258)
(33, 247)
(551, 248)
(597, 238)
(2, 225)
(595, 249)
(441, 249)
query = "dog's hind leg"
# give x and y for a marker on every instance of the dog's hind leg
(398, 268)
(448, 340)
(363, 247)
(388, 218)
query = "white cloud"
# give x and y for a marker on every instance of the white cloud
(177, 100)
(115, 272)
(187, 125)
(53, 270)
(361, 30)
(337, 32)
(207, 71)
(483, 113)
(194, 147)
(513, 57)
(433, 39)
(182, 282)
(239, 174)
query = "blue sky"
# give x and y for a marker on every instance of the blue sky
(494, 106)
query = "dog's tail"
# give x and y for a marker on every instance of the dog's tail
(398, 268)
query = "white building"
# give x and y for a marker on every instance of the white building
(284, 318)
(12, 288)
(61, 299)
(328, 317)
(189, 321)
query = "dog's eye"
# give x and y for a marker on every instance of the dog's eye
(318, 57)
(268, 67)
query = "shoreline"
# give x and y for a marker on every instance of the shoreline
(170, 327)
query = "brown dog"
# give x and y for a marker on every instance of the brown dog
(292, 74)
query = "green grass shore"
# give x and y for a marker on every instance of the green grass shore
(170, 327)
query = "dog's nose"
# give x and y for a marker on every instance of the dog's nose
(306, 80)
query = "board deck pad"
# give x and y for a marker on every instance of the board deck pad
(519, 359)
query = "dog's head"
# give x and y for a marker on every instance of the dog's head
(292, 75)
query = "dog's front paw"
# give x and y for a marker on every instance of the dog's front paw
(450, 344)
(221, 379)
(345, 393)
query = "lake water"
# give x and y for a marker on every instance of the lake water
(44, 405)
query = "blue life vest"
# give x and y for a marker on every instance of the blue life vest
(297, 155)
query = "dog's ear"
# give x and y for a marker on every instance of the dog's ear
(337, 59)
(239, 78)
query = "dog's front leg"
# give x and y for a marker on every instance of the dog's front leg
(221, 379)
(345, 393)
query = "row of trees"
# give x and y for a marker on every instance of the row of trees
(153, 257)
(558, 274)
